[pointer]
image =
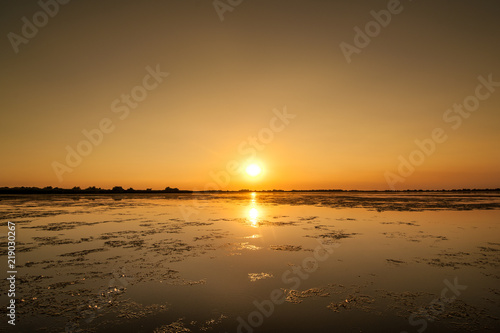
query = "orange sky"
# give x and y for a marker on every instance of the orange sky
(228, 79)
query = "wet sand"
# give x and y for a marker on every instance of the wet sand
(264, 262)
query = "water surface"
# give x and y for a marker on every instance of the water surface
(332, 262)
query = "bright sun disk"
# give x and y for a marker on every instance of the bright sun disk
(253, 170)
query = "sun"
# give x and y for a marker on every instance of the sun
(253, 170)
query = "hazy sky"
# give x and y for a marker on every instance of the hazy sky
(353, 121)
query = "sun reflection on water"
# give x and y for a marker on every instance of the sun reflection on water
(253, 213)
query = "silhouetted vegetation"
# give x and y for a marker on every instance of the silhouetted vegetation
(120, 189)
(78, 190)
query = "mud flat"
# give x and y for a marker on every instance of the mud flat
(268, 262)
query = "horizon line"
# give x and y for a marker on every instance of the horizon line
(119, 189)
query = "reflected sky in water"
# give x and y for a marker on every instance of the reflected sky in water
(386, 262)
(253, 211)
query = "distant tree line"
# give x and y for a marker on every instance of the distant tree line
(120, 189)
(78, 190)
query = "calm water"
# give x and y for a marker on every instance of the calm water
(255, 262)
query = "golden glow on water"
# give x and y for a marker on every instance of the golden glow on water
(254, 236)
(258, 236)
(253, 215)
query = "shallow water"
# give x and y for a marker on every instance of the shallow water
(332, 262)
